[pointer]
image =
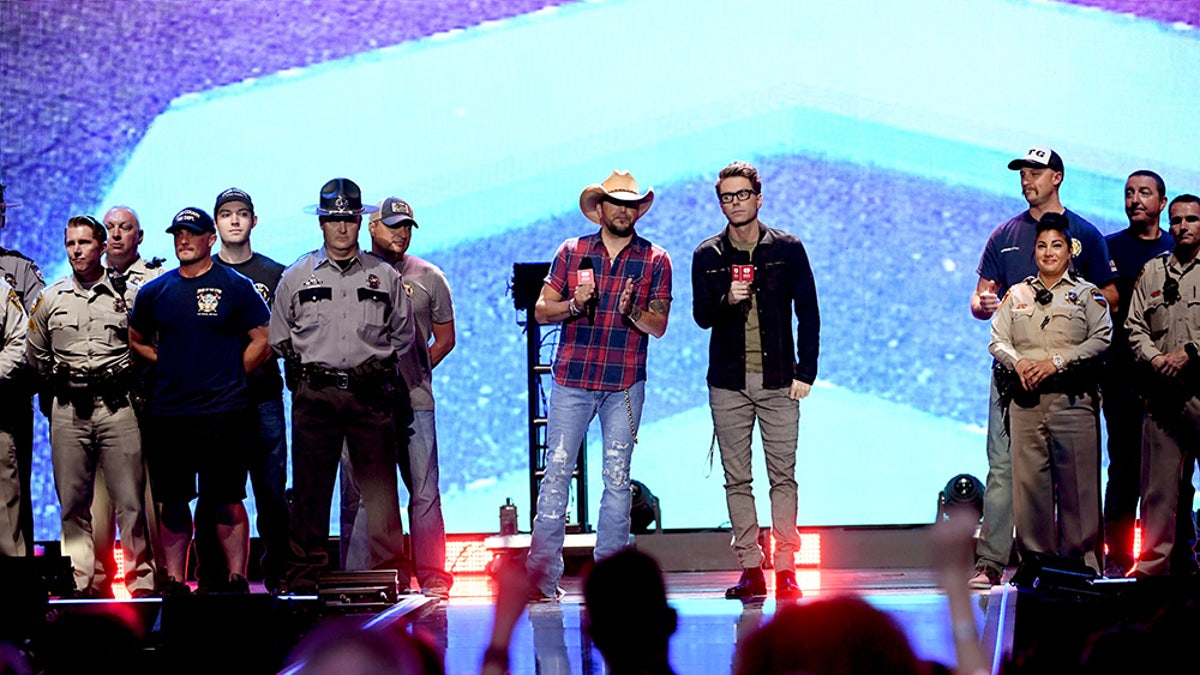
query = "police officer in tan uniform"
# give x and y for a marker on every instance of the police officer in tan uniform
(12, 361)
(1164, 332)
(78, 340)
(24, 277)
(1046, 336)
(126, 267)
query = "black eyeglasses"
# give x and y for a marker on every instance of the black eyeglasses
(740, 195)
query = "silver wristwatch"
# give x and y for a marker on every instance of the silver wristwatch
(1058, 361)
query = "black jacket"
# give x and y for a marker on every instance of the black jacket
(783, 280)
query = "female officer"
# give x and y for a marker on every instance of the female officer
(1046, 335)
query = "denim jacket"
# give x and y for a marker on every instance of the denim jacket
(783, 281)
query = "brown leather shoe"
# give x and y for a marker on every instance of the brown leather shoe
(752, 584)
(786, 587)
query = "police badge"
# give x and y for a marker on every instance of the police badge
(373, 281)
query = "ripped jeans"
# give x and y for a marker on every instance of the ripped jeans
(571, 411)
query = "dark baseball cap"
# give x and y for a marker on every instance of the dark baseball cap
(193, 219)
(394, 212)
(233, 195)
(1038, 158)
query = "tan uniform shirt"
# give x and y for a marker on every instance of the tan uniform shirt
(1075, 324)
(12, 332)
(84, 330)
(1157, 326)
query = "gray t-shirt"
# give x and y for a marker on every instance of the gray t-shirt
(429, 293)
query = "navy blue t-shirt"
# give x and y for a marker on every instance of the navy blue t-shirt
(1008, 257)
(1131, 253)
(200, 327)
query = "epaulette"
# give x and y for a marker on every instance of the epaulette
(155, 263)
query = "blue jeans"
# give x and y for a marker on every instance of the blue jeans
(268, 478)
(994, 546)
(571, 411)
(419, 471)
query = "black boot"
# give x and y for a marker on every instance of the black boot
(751, 585)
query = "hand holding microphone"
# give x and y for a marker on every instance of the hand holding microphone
(742, 286)
(585, 290)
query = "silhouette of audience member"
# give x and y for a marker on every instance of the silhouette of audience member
(840, 635)
(338, 649)
(628, 617)
(13, 661)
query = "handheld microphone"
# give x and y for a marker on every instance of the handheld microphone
(745, 272)
(587, 275)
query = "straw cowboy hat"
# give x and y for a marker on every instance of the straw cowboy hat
(621, 187)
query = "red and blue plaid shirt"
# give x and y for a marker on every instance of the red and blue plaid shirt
(609, 355)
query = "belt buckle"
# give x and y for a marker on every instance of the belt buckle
(341, 380)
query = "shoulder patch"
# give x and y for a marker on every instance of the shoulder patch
(15, 300)
(1099, 298)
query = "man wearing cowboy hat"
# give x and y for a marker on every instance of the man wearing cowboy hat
(25, 279)
(342, 317)
(611, 290)
(203, 326)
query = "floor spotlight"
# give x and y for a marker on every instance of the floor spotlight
(643, 510)
(963, 494)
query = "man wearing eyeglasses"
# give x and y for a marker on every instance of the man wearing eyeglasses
(746, 282)
(1007, 260)
(1164, 314)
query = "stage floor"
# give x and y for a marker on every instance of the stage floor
(218, 631)
(549, 637)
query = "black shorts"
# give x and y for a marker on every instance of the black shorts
(200, 455)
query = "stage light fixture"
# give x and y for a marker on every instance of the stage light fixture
(644, 509)
(962, 494)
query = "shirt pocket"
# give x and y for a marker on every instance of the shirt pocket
(1025, 328)
(1157, 317)
(314, 307)
(1067, 327)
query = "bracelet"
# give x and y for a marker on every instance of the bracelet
(571, 309)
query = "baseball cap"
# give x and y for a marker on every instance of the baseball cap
(394, 212)
(1038, 158)
(193, 219)
(233, 195)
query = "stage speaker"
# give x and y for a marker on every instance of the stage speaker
(1056, 621)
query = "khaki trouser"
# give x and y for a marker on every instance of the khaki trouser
(1169, 452)
(78, 445)
(734, 413)
(1056, 462)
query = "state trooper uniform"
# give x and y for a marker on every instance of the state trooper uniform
(23, 276)
(78, 342)
(1164, 316)
(340, 327)
(1054, 430)
(12, 361)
